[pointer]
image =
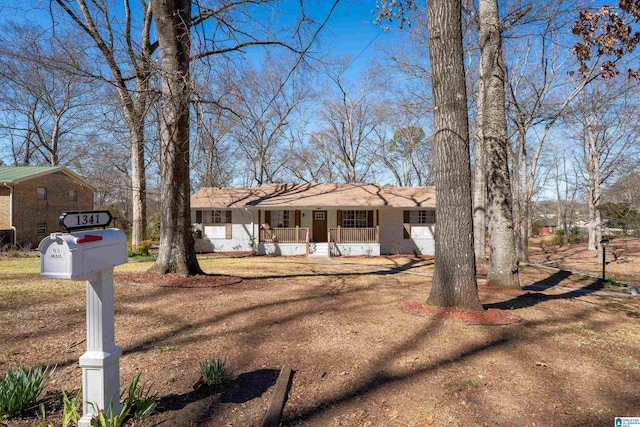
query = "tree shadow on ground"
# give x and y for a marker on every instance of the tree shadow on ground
(536, 297)
(243, 388)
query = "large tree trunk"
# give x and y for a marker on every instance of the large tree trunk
(177, 254)
(454, 279)
(138, 184)
(595, 220)
(503, 265)
(480, 186)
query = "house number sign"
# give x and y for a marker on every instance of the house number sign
(80, 220)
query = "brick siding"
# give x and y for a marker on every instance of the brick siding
(28, 211)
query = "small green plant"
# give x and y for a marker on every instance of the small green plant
(215, 371)
(417, 252)
(142, 250)
(20, 389)
(71, 409)
(610, 283)
(110, 418)
(139, 399)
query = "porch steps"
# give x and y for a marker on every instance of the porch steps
(319, 249)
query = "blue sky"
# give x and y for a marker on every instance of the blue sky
(350, 30)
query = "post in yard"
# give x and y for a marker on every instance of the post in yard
(90, 256)
(603, 243)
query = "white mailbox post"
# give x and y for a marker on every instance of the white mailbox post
(91, 256)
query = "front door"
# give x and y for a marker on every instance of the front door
(320, 226)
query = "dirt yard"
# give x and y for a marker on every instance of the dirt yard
(622, 258)
(572, 358)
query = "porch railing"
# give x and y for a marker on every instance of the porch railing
(284, 235)
(354, 235)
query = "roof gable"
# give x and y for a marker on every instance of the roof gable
(313, 195)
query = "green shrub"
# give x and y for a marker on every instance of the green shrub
(142, 250)
(153, 227)
(214, 371)
(20, 389)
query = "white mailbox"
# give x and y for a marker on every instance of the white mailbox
(91, 255)
(76, 255)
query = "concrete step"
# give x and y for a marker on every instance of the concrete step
(319, 249)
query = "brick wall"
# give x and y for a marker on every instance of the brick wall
(5, 208)
(29, 211)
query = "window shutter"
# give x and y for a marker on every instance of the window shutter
(406, 225)
(228, 215)
(339, 220)
(267, 217)
(297, 219)
(198, 217)
(369, 219)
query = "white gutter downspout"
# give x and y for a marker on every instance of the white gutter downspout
(15, 231)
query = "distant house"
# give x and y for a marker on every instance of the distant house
(299, 219)
(32, 199)
(546, 226)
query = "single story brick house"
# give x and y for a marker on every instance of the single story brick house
(298, 219)
(32, 199)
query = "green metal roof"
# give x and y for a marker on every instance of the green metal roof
(20, 173)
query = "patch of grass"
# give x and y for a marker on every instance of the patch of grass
(164, 348)
(11, 352)
(142, 258)
(20, 389)
(215, 371)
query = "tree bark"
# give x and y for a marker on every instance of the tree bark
(503, 265)
(177, 253)
(593, 169)
(480, 185)
(454, 279)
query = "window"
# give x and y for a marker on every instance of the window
(354, 219)
(42, 228)
(423, 217)
(42, 193)
(73, 195)
(281, 219)
(319, 216)
(220, 217)
(214, 231)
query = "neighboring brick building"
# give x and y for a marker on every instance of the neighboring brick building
(32, 199)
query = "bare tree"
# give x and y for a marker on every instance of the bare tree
(266, 105)
(454, 279)
(407, 155)
(503, 263)
(348, 119)
(604, 123)
(540, 89)
(174, 23)
(99, 23)
(44, 110)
